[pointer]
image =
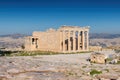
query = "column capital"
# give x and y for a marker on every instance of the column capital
(83, 30)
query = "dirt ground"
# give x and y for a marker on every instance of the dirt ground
(56, 67)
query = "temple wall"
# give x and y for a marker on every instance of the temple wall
(48, 41)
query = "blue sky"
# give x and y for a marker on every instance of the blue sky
(26, 16)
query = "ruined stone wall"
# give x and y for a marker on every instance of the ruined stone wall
(95, 48)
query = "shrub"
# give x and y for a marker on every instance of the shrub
(93, 72)
(31, 53)
(118, 62)
(84, 66)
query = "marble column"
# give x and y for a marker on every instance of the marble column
(74, 41)
(69, 42)
(78, 40)
(87, 37)
(83, 40)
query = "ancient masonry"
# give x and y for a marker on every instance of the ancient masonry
(64, 39)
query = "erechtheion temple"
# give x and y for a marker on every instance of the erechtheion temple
(64, 39)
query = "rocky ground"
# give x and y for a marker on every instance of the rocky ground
(105, 42)
(56, 67)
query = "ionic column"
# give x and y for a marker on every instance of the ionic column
(87, 37)
(83, 40)
(63, 40)
(69, 43)
(74, 41)
(78, 40)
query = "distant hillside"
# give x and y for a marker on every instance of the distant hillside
(103, 36)
(104, 40)
(12, 41)
(14, 36)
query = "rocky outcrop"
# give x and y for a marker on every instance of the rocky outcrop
(97, 58)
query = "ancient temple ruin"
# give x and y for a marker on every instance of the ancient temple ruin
(64, 39)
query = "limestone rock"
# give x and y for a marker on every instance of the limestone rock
(13, 71)
(97, 58)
